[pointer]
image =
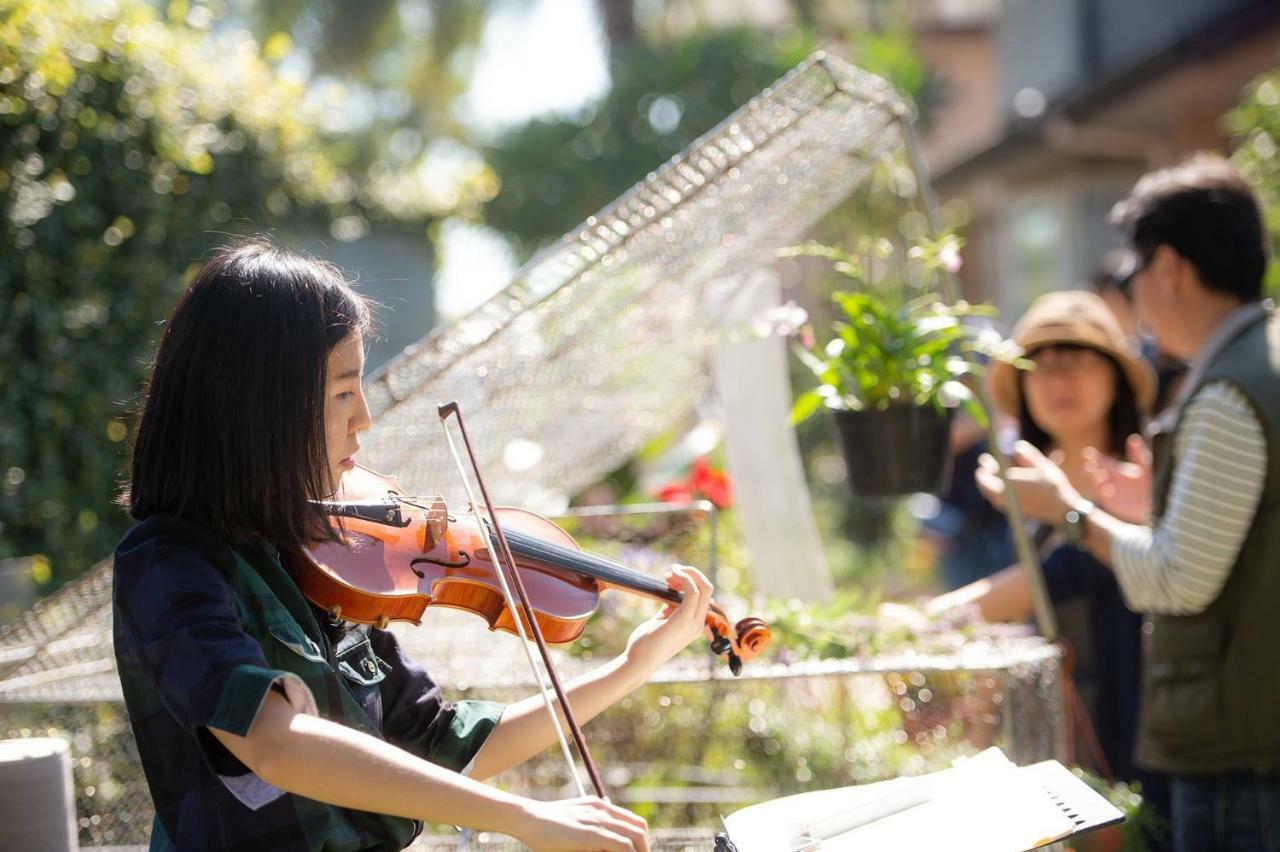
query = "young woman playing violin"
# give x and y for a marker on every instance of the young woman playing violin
(261, 723)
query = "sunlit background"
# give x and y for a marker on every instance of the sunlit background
(433, 148)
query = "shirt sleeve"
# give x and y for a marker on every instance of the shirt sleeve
(178, 623)
(1180, 566)
(418, 719)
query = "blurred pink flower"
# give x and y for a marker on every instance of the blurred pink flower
(949, 255)
(782, 321)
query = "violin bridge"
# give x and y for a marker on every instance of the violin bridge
(435, 523)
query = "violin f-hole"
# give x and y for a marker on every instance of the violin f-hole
(463, 562)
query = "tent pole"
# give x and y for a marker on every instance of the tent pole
(1027, 557)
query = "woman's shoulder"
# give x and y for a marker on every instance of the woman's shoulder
(170, 542)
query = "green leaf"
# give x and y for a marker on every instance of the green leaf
(896, 351)
(805, 405)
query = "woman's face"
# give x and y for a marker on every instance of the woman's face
(345, 411)
(1070, 392)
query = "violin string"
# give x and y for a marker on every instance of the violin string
(590, 564)
(543, 679)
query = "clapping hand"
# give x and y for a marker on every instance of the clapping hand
(1122, 488)
(1044, 492)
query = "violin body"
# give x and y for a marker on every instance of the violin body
(398, 556)
(383, 574)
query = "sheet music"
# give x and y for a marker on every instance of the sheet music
(985, 804)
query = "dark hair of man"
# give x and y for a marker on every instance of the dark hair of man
(232, 428)
(1123, 419)
(1209, 214)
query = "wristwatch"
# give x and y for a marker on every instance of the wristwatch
(1073, 523)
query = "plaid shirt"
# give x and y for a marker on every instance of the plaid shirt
(202, 632)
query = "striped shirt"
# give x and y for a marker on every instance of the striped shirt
(1180, 566)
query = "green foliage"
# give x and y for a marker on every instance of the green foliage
(128, 144)
(1141, 822)
(1256, 125)
(891, 53)
(856, 625)
(891, 347)
(557, 171)
(416, 57)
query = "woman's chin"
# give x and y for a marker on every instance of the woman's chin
(1071, 430)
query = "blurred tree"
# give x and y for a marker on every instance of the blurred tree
(556, 171)
(1256, 126)
(127, 145)
(413, 57)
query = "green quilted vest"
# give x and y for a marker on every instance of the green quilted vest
(1211, 681)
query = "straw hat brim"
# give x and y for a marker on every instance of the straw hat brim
(1003, 378)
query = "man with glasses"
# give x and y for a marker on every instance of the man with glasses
(1196, 548)
(1113, 281)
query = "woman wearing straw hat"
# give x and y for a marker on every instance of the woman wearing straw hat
(1088, 390)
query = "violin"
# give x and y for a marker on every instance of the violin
(398, 555)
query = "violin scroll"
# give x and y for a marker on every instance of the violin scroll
(753, 636)
(748, 638)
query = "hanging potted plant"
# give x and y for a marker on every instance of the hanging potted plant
(895, 366)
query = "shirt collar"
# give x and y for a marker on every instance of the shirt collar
(1227, 331)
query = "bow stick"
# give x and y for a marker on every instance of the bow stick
(509, 578)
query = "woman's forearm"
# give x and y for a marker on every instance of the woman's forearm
(1004, 596)
(319, 759)
(525, 728)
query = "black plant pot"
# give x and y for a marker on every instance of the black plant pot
(900, 450)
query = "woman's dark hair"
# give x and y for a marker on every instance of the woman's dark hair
(1123, 419)
(1208, 213)
(232, 428)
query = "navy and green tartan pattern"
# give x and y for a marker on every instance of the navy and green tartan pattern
(202, 632)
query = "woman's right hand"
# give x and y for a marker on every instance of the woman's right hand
(584, 823)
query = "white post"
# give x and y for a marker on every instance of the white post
(37, 798)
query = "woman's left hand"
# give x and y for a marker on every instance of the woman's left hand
(662, 637)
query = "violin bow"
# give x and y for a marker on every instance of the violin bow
(509, 578)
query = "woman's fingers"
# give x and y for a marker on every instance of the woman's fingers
(623, 814)
(585, 822)
(697, 591)
(1137, 451)
(1025, 454)
(1097, 471)
(989, 482)
(626, 827)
